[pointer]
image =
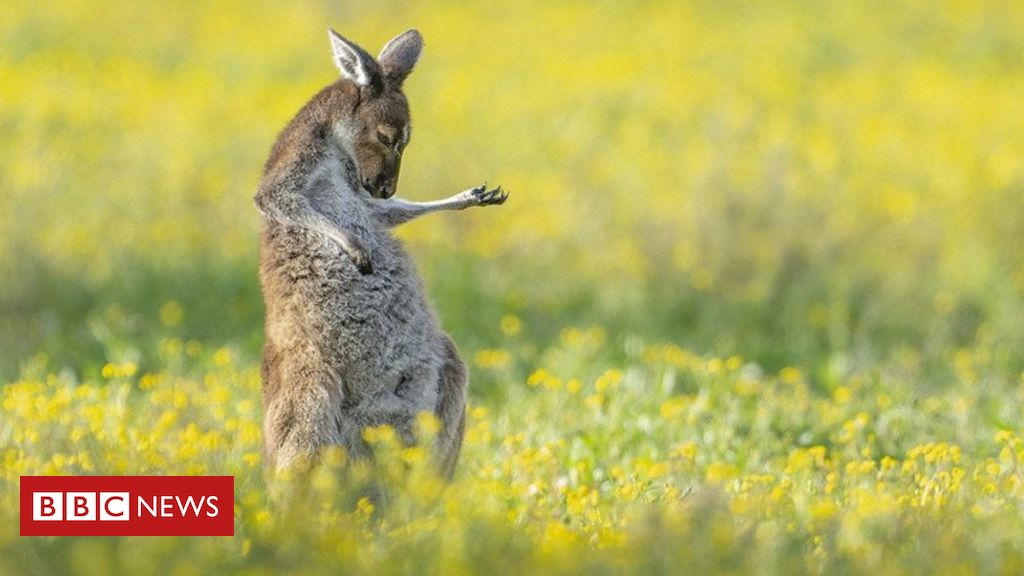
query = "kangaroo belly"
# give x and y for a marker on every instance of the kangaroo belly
(376, 333)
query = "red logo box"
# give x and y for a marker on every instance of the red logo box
(127, 505)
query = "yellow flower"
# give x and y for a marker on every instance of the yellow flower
(823, 510)
(1003, 436)
(791, 375)
(721, 471)
(673, 407)
(609, 379)
(365, 506)
(538, 377)
(222, 357)
(510, 325)
(171, 313)
(492, 358)
(842, 395)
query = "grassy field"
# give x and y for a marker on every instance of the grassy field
(756, 304)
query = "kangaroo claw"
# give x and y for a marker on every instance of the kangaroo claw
(485, 197)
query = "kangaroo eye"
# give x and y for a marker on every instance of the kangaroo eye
(384, 139)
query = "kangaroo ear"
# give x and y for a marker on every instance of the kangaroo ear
(353, 62)
(398, 56)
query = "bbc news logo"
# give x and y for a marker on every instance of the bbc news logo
(127, 505)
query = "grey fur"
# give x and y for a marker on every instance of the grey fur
(351, 340)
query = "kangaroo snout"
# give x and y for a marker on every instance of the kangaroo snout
(380, 186)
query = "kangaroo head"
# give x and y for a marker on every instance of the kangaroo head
(377, 127)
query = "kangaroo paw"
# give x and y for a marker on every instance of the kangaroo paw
(485, 197)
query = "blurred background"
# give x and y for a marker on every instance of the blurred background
(827, 185)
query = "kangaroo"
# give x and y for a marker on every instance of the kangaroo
(351, 340)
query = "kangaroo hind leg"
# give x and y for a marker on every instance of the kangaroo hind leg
(301, 419)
